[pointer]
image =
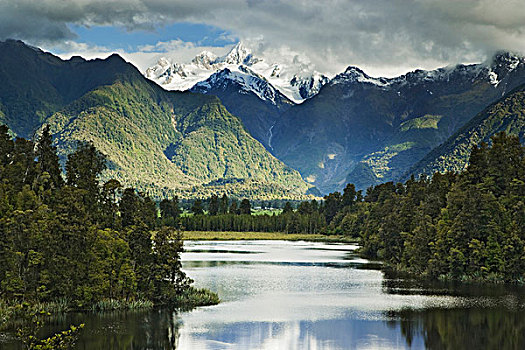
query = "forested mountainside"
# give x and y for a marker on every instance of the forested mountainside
(507, 114)
(368, 130)
(158, 141)
(250, 97)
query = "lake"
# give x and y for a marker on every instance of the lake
(306, 295)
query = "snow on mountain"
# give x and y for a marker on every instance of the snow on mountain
(204, 60)
(310, 85)
(294, 81)
(493, 71)
(355, 75)
(248, 80)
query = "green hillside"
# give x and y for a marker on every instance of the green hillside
(385, 125)
(160, 142)
(507, 114)
(258, 115)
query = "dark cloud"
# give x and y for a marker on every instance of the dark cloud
(381, 35)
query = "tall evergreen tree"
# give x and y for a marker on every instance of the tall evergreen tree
(233, 207)
(169, 208)
(245, 207)
(83, 168)
(6, 145)
(48, 159)
(110, 192)
(197, 208)
(287, 208)
(223, 204)
(349, 196)
(213, 206)
(129, 207)
(332, 204)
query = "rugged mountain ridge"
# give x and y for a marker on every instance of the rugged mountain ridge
(357, 129)
(367, 130)
(297, 82)
(250, 97)
(159, 141)
(507, 115)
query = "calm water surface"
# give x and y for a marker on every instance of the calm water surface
(303, 295)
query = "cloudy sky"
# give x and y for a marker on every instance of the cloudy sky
(385, 37)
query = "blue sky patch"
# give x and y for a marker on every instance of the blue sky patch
(114, 37)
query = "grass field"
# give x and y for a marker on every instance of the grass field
(229, 236)
(254, 212)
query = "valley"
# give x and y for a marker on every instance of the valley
(257, 138)
(262, 175)
(355, 128)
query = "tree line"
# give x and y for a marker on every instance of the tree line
(73, 238)
(225, 214)
(468, 225)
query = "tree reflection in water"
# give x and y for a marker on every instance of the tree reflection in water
(134, 331)
(493, 316)
(119, 330)
(463, 328)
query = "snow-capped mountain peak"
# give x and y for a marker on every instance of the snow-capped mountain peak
(239, 54)
(243, 78)
(292, 80)
(205, 59)
(310, 85)
(163, 62)
(507, 59)
(492, 71)
(354, 74)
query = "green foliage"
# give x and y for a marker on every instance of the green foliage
(67, 243)
(197, 208)
(245, 207)
(121, 304)
(458, 226)
(425, 122)
(213, 205)
(308, 220)
(461, 328)
(48, 161)
(161, 143)
(33, 322)
(389, 128)
(223, 205)
(506, 115)
(170, 212)
(280, 236)
(84, 166)
(193, 297)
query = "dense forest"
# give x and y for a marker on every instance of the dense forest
(468, 225)
(225, 214)
(77, 240)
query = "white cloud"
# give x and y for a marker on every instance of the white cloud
(146, 56)
(385, 37)
(165, 46)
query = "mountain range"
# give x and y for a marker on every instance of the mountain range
(368, 130)
(158, 141)
(255, 129)
(505, 115)
(296, 81)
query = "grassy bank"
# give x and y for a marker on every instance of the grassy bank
(11, 312)
(195, 297)
(231, 236)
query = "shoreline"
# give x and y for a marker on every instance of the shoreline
(12, 311)
(266, 236)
